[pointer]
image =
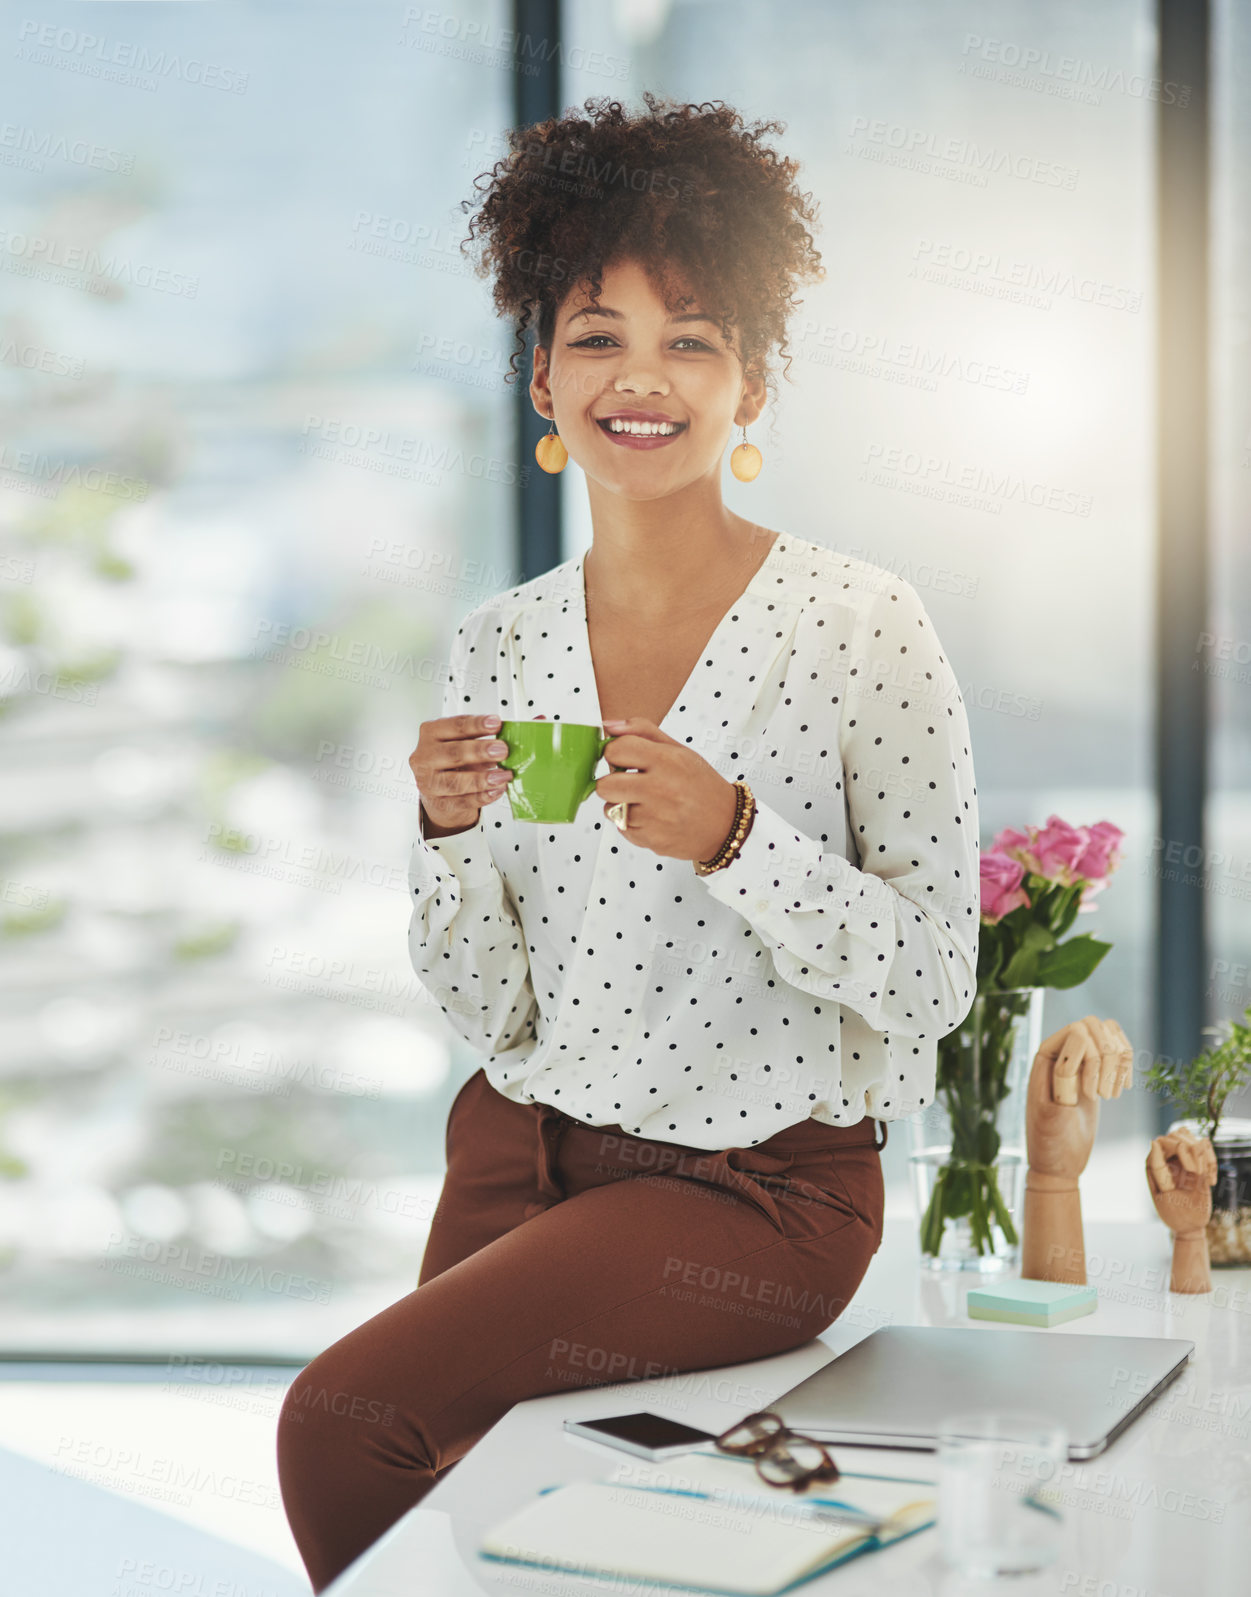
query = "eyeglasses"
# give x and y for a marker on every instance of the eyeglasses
(783, 1457)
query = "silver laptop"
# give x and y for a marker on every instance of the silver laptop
(897, 1385)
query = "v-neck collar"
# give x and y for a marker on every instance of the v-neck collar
(682, 703)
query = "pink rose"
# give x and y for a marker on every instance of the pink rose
(1017, 846)
(1001, 885)
(1102, 853)
(1059, 846)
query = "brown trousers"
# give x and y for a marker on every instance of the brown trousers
(563, 1255)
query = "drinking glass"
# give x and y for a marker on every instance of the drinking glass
(998, 1498)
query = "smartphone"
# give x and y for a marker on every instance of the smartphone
(645, 1435)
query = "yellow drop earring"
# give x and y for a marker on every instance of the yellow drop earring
(746, 460)
(551, 453)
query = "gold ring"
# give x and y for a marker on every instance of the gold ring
(617, 814)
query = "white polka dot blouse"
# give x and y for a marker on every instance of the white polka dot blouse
(814, 974)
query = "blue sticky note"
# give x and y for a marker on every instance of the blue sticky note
(1025, 1302)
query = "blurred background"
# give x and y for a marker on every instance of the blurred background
(259, 459)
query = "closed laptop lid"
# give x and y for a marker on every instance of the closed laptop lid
(897, 1385)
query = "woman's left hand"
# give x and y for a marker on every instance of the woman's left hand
(679, 805)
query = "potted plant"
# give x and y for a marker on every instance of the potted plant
(968, 1155)
(1199, 1089)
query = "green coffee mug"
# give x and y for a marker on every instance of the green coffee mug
(553, 764)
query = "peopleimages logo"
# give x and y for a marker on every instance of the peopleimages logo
(56, 474)
(92, 55)
(873, 353)
(329, 438)
(988, 272)
(177, 1260)
(897, 144)
(37, 358)
(1070, 69)
(30, 254)
(468, 39)
(941, 476)
(40, 147)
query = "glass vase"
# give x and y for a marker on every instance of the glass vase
(968, 1155)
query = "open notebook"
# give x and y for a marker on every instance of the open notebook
(709, 1524)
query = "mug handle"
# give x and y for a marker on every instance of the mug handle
(591, 780)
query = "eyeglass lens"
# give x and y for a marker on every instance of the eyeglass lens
(752, 1434)
(783, 1457)
(795, 1460)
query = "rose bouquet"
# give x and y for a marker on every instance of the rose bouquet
(1034, 884)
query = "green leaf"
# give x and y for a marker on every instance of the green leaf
(987, 1142)
(1069, 964)
(114, 567)
(1016, 920)
(1022, 969)
(23, 923)
(210, 941)
(24, 618)
(989, 955)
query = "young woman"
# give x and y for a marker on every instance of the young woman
(697, 999)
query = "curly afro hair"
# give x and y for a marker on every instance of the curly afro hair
(689, 191)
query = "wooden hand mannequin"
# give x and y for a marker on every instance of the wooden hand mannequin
(1180, 1171)
(1075, 1067)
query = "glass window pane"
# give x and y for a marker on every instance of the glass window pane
(1224, 651)
(259, 465)
(971, 404)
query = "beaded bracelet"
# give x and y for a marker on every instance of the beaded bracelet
(744, 814)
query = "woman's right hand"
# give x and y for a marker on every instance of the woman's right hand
(455, 771)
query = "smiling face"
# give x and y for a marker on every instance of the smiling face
(644, 398)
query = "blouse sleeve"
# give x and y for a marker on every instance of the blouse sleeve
(895, 940)
(465, 938)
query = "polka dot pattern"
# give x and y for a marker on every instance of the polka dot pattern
(815, 974)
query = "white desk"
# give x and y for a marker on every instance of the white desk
(1166, 1510)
